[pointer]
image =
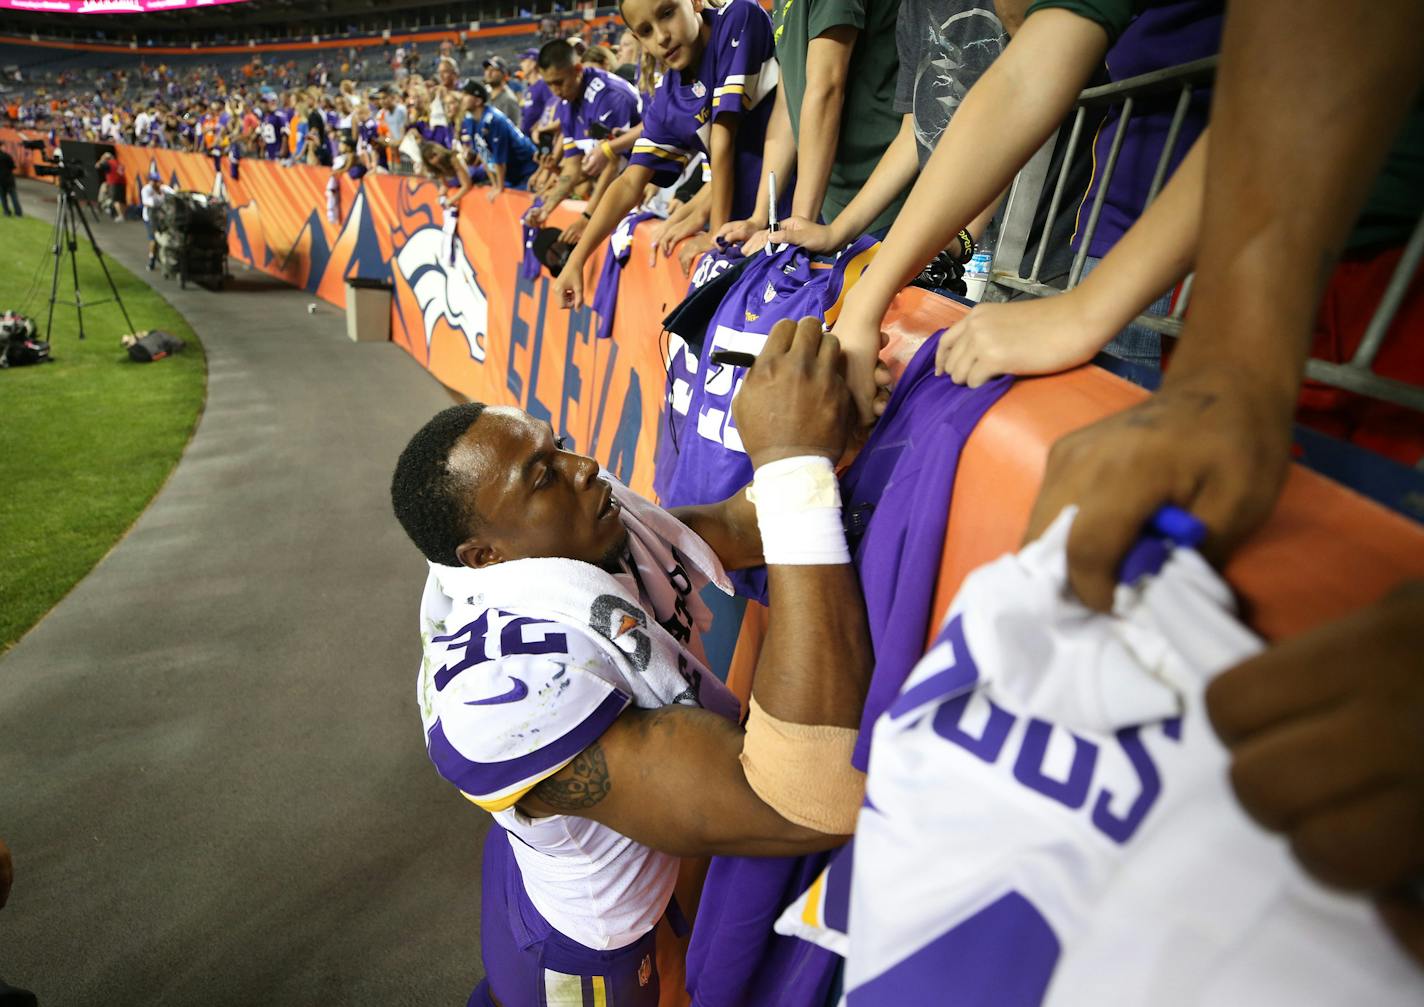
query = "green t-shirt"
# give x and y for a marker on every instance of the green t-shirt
(1112, 15)
(868, 118)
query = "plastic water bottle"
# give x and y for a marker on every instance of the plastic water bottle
(976, 275)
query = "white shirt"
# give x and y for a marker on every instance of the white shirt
(150, 195)
(527, 663)
(1048, 790)
(543, 692)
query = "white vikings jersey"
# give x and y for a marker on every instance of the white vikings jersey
(510, 693)
(1048, 818)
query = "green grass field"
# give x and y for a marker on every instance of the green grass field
(88, 439)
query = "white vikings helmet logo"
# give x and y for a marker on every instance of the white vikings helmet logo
(445, 291)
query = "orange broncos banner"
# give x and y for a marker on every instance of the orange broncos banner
(476, 322)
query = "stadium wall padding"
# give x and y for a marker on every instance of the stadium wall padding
(490, 335)
(476, 325)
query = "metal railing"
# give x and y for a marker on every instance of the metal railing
(1026, 194)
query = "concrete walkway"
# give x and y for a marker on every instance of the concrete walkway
(212, 773)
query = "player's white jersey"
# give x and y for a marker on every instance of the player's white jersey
(511, 692)
(1048, 819)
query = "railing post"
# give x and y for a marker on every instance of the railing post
(1058, 191)
(1109, 167)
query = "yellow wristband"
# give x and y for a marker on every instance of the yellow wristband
(607, 149)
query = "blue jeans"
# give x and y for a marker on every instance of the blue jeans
(1137, 344)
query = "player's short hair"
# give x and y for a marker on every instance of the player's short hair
(428, 498)
(557, 55)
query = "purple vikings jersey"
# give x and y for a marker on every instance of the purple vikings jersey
(530, 265)
(273, 130)
(737, 76)
(711, 463)
(539, 104)
(897, 493)
(366, 133)
(682, 373)
(620, 246)
(605, 102)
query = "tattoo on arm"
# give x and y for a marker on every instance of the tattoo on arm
(586, 784)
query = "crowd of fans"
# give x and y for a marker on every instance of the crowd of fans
(908, 122)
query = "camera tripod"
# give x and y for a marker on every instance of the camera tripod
(68, 217)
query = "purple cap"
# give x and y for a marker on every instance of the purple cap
(529, 54)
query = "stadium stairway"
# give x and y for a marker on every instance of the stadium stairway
(211, 768)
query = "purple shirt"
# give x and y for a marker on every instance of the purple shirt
(897, 493)
(737, 75)
(273, 130)
(538, 99)
(606, 102)
(1165, 34)
(711, 463)
(620, 247)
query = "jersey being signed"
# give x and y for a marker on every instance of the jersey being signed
(1048, 819)
(711, 463)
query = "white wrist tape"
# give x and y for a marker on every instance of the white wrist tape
(798, 504)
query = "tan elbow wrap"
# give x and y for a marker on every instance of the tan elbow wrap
(803, 771)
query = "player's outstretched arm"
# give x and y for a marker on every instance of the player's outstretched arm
(684, 780)
(729, 527)
(670, 779)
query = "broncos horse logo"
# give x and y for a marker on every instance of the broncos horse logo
(445, 291)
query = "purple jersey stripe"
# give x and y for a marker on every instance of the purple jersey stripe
(961, 675)
(836, 915)
(1004, 955)
(486, 779)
